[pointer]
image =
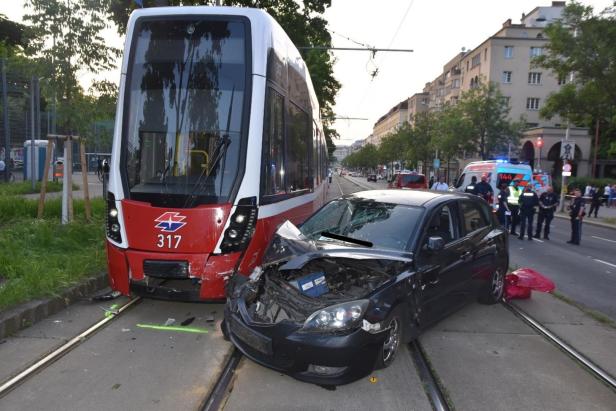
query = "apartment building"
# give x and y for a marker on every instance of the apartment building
(505, 59)
(389, 123)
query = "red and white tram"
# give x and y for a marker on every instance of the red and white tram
(217, 141)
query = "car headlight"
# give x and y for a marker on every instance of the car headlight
(338, 317)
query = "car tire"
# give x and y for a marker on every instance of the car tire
(391, 345)
(492, 292)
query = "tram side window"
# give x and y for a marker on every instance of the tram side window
(272, 178)
(299, 140)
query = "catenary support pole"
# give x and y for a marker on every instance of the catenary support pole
(7, 128)
(48, 154)
(32, 136)
(84, 175)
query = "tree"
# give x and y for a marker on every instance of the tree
(304, 24)
(67, 38)
(486, 111)
(12, 36)
(581, 52)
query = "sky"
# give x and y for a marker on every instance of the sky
(436, 30)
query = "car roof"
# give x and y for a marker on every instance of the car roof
(419, 198)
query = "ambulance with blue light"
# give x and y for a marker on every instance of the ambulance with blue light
(496, 172)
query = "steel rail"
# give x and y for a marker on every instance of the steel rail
(214, 399)
(590, 366)
(429, 382)
(63, 349)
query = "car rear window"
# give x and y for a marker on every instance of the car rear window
(413, 179)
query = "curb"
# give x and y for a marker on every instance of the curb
(26, 314)
(587, 221)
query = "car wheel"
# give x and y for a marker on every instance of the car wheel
(390, 346)
(493, 291)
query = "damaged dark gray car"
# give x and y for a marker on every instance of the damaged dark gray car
(366, 273)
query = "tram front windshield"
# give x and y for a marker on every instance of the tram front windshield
(183, 125)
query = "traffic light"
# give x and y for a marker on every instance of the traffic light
(539, 142)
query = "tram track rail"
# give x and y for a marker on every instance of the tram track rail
(216, 396)
(573, 353)
(45, 361)
(428, 379)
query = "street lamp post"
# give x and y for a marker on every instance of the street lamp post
(539, 146)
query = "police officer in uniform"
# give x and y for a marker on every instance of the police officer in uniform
(576, 212)
(514, 206)
(528, 201)
(548, 201)
(471, 187)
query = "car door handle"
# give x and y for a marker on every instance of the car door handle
(467, 256)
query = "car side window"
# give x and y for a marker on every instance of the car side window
(473, 217)
(442, 224)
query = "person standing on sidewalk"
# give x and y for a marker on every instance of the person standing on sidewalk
(483, 189)
(514, 205)
(471, 187)
(441, 185)
(548, 201)
(595, 202)
(606, 195)
(576, 212)
(528, 202)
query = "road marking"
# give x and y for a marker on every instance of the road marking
(604, 239)
(605, 262)
(339, 188)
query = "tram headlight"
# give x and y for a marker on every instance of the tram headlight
(113, 224)
(241, 227)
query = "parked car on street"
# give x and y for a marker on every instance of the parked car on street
(409, 180)
(372, 177)
(366, 273)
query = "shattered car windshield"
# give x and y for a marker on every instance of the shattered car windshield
(385, 225)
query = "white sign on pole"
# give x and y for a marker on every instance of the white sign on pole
(567, 149)
(566, 173)
(566, 167)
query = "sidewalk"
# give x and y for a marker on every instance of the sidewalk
(606, 217)
(95, 188)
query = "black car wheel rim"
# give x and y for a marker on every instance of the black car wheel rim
(498, 283)
(390, 346)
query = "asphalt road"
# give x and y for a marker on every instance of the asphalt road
(584, 273)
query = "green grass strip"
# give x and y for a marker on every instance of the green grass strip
(193, 330)
(25, 187)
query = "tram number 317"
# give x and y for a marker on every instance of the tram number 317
(168, 241)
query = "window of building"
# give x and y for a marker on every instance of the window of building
(562, 79)
(536, 51)
(485, 55)
(532, 103)
(476, 60)
(508, 52)
(455, 83)
(507, 76)
(505, 99)
(534, 78)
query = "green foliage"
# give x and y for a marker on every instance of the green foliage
(19, 208)
(12, 36)
(67, 38)
(41, 257)
(25, 187)
(485, 125)
(302, 21)
(582, 182)
(581, 50)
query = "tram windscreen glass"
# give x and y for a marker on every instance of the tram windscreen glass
(183, 130)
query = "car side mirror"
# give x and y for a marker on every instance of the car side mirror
(436, 243)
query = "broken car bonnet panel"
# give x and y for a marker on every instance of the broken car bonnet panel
(294, 294)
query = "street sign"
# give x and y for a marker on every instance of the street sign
(436, 163)
(566, 167)
(566, 173)
(567, 149)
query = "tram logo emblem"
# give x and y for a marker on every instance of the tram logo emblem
(170, 222)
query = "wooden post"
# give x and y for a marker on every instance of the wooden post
(68, 168)
(84, 174)
(41, 205)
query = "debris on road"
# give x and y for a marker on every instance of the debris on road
(520, 283)
(187, 321)
(194, 330)
(170, 321)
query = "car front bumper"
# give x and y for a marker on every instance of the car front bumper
(318, 358)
